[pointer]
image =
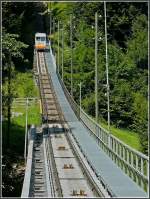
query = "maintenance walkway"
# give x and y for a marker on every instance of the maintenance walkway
(115, 179)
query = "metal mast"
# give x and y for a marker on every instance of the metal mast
(58, 49)
(80, 97)
(26, 131)
(108, 101)
(50, 18)
(62, 53)
(96, 71)
(71, 52)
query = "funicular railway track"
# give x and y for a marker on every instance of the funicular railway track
(58, 167)
(38, 188)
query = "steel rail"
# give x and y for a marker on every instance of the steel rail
(49, 147)
(47, 177)
(101, 135)
(49, 153)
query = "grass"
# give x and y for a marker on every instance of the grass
(33, 115)
(25, 86)
(129, 137)
(13, 154)
(17, 128)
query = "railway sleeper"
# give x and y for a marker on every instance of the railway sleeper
(39, 167)
(39, 162)
(46, 86)
(50, 102)
(50, 113)
(39, 181)
(38, 178)
(50, 96)
(52, 108)
(43, 76)
(39, 172)
(53, 120)
(41, 191)
(47, 91)
(44, 79)
(37, 148)
(38, 195)
(45, 82)
(37, 158)
(38, 187)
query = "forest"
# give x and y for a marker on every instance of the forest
(17, 81)
(127, 37)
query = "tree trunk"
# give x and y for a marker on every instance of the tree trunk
(9, 101)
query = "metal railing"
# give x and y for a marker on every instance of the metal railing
(78, 151)
(70, 99)
(50, 172)
(57, 190)
(28, 171)
(24, 103)
(134, 163)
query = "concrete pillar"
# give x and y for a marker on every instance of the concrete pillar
(127, 156)
(119, 149)
(123, 153)
(142, 166)
(132, 159)
(136, 162)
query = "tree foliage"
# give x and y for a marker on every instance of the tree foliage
(127, 27)
(18, 30)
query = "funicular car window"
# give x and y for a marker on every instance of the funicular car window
(38, 38)
(42, 38)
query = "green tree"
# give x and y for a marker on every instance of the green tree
(11, 48)
(127, 30)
